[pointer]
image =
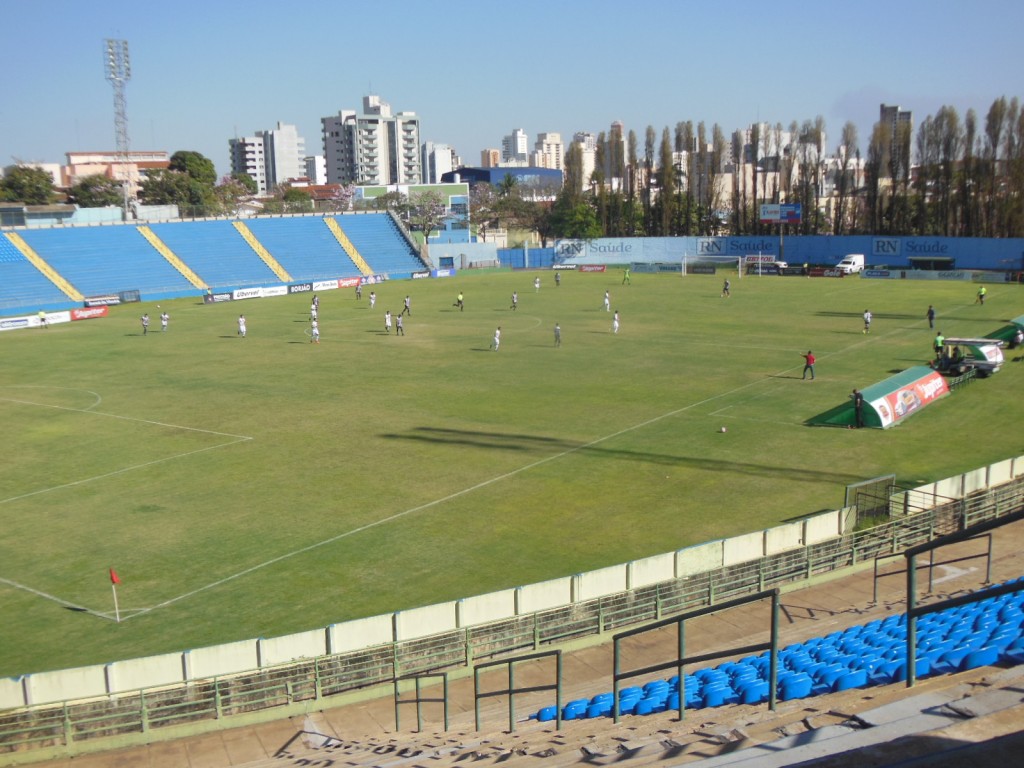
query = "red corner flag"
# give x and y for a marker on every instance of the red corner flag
(114, 579)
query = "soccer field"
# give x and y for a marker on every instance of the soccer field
(261, 486)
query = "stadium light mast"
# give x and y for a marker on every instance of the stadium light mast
(118, 69)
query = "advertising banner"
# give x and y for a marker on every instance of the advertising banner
(89, 314)
(102, 301)
(593, 267)
(894, 406)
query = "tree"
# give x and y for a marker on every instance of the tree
(195, 165)
(28, 185)
(231, 191)
(844, 184)
(247, 182)
(96, 191)
(428, 211)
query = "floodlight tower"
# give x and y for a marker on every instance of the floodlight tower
(119, 71)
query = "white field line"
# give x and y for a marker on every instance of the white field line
(443, 499)
(233, 439)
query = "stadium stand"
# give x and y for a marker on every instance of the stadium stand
(381, 243)
(304, 246)
(958, 639)
(23, 284)
(216, 252)
(100, 260)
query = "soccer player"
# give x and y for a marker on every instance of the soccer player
(867, 321)
(314, 331)
(399, 328)
(930, 314)
(387, 321)
(726, 289)
(981, 295)
(536, 283)
(515, 301)
(497, 339)
(407, 309)
(607, 302)
(373, 298)
(313, 314)
(558, 335)
(164, 320)
(558, 279)
(42, 319)
(359, 291)
(241, 326)
(145, 324)
(615, 322)
(625, 277)
(458, 302)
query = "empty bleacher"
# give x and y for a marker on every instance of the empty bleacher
(102, 260)
(958, 639)
(379, 241)
(23, 284)
(304, 246)
(216, 252)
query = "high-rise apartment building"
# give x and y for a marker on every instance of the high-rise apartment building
(437, 160)
(372, 148)
(248, 157)
(270, 157)
(285, 154)
(316, 169)
(548, 151)
(515, 147)
(490, 158)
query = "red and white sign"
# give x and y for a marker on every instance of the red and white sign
(90, 313)
(593, 268)
(897, 405)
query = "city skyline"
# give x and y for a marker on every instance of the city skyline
(208, 74)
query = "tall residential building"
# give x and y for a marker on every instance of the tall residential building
(490, 158)
(316, 169)
(270, 157)
(372, 148)
(514, 147)
(548, 151)
(587, 143)
(438, 159)
(901, 127)
(285, 153)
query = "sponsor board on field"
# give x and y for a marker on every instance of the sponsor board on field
(449, 272)
(825, 272)
(216, 298)
(275, 290)
(564, 266)
(325, 285)
(102, 301)
(421, 274)
(62, 317)
(350, 282)
(300, 288)
(593, 267)
(246, 293)
(14, 323)
(762, 269)
(89, 314)
(373, 279)
(700, 269)
(881, 274)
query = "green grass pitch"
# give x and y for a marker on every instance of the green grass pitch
(262, 486)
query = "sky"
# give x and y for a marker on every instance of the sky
(474, 70)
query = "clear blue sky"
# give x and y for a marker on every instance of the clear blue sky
(473, 70)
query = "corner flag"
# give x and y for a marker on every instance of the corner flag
(114, 578)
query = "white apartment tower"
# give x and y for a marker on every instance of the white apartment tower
(270, 157)
(548, 151)
(248, 157)
(285, 153)
(438, 159)
(515, 147)
(372, 148)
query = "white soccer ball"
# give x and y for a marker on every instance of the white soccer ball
(722, 429)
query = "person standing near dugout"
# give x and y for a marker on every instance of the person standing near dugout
(808, 365)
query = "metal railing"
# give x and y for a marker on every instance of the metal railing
(72, 726)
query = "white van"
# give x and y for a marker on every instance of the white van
(851, 264)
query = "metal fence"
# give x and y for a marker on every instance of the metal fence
(77, 726)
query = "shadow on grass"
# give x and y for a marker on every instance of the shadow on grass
(522, 442)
